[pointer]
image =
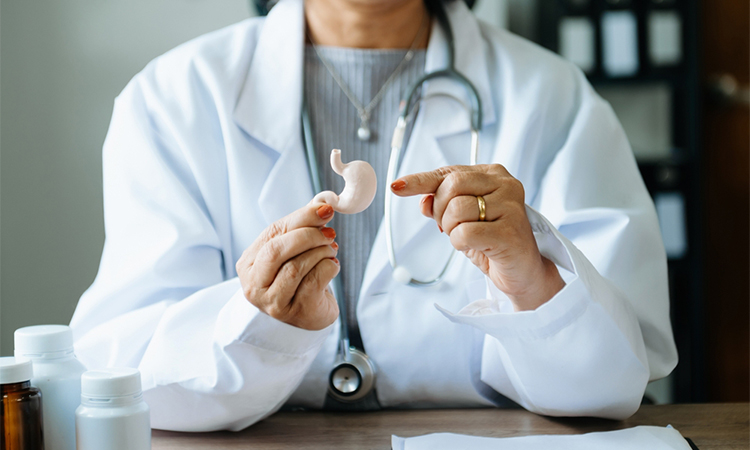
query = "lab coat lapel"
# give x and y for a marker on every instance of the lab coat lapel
(270, 105)
(446, 116)
(440, 135)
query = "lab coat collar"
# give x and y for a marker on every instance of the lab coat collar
(270, 103)
(469, 60)
(269, 109)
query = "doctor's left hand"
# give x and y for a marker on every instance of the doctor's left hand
(502, 245)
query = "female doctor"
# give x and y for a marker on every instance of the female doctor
(215, 272)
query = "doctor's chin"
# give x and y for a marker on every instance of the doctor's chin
(326, 222)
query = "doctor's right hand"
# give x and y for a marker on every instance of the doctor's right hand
(285, 273)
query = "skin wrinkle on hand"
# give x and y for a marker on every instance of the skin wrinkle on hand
(359, 191)
(513, 263)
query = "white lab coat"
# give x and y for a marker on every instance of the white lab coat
(205, 150)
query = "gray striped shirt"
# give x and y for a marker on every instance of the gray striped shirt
(335, 122)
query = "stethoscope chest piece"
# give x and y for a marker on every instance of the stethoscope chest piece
(352, 377)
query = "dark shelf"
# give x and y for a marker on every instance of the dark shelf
(672, 79)
(679, 173)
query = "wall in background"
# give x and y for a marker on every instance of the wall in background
(63, 63)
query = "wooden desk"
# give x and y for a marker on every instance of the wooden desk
(713, 426)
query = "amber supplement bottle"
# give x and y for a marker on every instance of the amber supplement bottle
(21, 407)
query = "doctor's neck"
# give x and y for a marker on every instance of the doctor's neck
(366, 23)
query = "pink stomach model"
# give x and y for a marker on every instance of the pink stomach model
(360, 188)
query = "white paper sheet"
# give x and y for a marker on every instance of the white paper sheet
(638, 438)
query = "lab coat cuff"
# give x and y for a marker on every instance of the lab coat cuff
(495, 314)
(497, 318)
(551, 243)
(246, 323)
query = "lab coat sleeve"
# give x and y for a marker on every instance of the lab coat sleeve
(162, 302)
(591, 349)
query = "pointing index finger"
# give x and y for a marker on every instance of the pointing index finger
(423, 182)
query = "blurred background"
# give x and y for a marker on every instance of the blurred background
(675, 71)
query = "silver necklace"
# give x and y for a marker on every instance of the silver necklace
(363, 132)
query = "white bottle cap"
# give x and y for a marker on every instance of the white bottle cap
(112, 382)
(41, 339)
(13, 370)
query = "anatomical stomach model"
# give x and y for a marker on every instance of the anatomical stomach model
(360, 188)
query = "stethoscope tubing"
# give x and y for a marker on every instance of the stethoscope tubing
(388, 220)
(408, 102)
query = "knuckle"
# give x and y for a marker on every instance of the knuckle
(305, 288)
(443, 171)
(302, 293)
(312, 280)
(304, 237)
(452, 184)
(273, 249)
(292, 269)
(458, 238)
(275, 310)
(276, 229)
(243, 269)
(245, 261)
(318, 279)
(459, 233)
(515, 209)
(252, 295)
(247, 291)
(515, 189)
(498, 169)
(453, 209)
(469, 205)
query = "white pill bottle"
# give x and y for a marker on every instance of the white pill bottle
(57, 374)
(112, 415)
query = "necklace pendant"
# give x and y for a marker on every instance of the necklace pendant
(363, 132)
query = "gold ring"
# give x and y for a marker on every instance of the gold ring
(482, 208)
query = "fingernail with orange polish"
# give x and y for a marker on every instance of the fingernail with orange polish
(334, 259)
(330, 233)
(440, 228)
(398, 185)
(335, 245)
(325, 211)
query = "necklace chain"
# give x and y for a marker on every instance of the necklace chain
(364, 111)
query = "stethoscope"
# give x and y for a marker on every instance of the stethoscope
(353, 375)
